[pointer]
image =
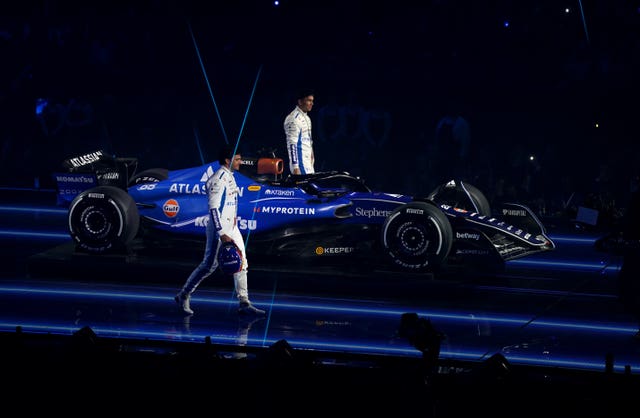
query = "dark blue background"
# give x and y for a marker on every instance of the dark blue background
(128, 79)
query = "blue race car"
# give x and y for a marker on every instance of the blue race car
(328, 217)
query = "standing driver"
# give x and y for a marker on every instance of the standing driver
(297, 129)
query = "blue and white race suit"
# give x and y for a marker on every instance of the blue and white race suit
(297, 129)
(222, 192)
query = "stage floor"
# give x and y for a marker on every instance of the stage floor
(556, 315)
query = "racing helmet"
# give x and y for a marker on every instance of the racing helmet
(229, 258)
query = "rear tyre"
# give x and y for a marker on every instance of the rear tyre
(152, 175)
(103, 219)
(417, 237)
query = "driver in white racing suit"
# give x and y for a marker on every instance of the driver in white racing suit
(222, 226)
(297, 129)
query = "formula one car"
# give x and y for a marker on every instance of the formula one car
(323, 217)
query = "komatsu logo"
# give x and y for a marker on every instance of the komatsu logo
(75, 179)
(467, 235)
(372, 213)
(243, 224)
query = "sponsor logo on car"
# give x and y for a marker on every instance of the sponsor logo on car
(85, 159)
(472, 252)
(372, 213)
(171, 208)
(69, 192)
(112, 175)
(208, 173)
(74, 184)
(333, 250)
(186, 188)
(279, 210)
(278, 192)
(243, 224)
(248, 162)
(253, 188)
(507, 250)
(415, 211)
(75, 179)
(250, 224)
(467, 235)
(197, 188)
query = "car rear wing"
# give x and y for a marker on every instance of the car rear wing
(92, 169)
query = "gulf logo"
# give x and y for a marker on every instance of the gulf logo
(171, 208)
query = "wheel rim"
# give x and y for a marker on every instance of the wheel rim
(414, 239)
(99, 223)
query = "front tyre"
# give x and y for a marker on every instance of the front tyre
(463, 195)
(417, 237)
(103, 219)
